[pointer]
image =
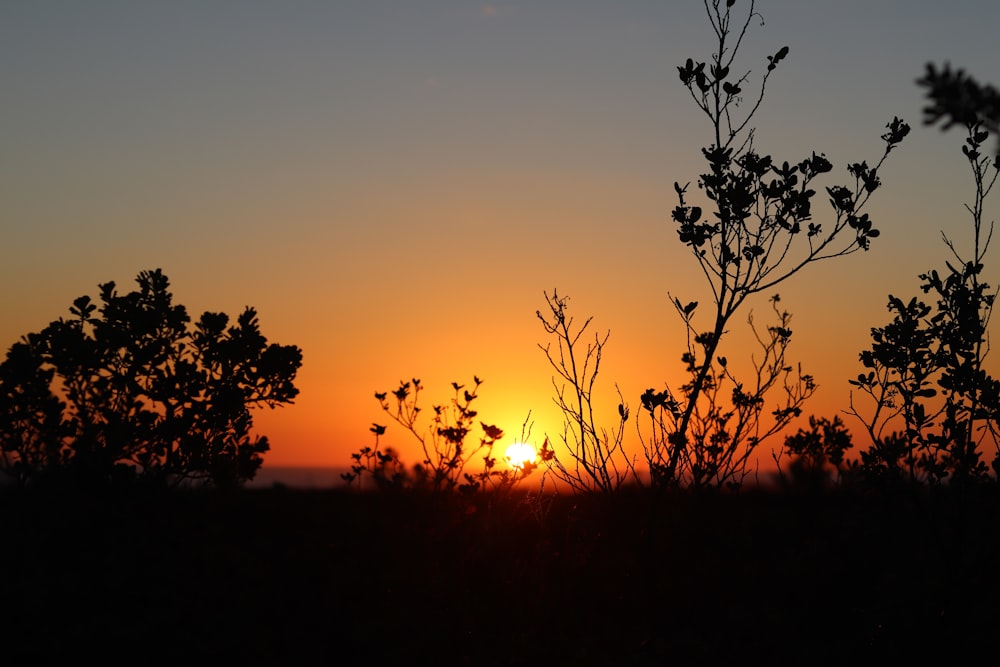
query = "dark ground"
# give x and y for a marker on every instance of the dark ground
(277, 576)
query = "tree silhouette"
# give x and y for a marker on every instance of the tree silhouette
(124, 390)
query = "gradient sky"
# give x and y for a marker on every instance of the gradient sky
(394, 184)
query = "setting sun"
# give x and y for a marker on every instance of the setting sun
(519, 454)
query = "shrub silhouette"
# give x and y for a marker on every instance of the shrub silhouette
(383, 466)
(925, 379)
(726, 427)
(817, 453)
(594, 459)
(443, 443)
(955, 98)
(760, 232)
(124, 390)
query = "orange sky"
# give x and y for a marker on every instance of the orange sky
(393, 186)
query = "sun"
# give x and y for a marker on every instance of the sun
(519, 454)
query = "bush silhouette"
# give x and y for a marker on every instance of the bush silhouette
(955, 98)
(594, 458)
(817, 454)
(757, 231)
(123, 390)
(444, 443)
(925, 378)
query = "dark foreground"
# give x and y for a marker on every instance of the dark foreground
(321, 577)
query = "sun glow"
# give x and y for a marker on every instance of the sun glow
(519, 454)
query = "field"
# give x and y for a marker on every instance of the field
(280, 576)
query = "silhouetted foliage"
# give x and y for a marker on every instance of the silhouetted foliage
(729, 422)
(760, 232)
(383, 466)
(595, 459)
(818, 454)
(957, 99)
(925, 369)
(446, 452)
(124, 390)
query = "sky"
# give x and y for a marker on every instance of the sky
(395, 185)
